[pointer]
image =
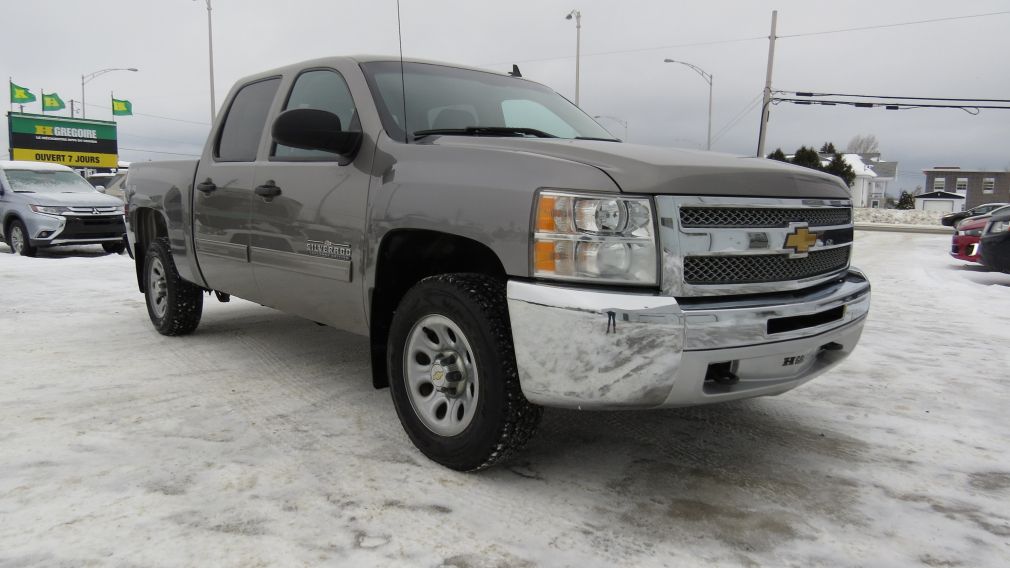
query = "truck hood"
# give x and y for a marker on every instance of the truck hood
(77, 199)
(644, 169)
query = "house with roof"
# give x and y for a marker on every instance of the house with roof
(869, 189)
(946, 201)
(975, 186)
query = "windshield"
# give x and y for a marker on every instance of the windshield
(449, 98)
(30, 181)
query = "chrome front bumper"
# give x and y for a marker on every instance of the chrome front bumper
(588, 349)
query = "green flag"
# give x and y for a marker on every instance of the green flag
(52, 102)
(21, 95)
(121, 108)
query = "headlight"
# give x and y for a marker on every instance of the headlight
(972, 232)
(595, 238)
(50, 209)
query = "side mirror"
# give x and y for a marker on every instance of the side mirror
(100, 188)
(314, 129)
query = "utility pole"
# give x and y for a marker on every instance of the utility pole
(578, 47)
(210, 48)
(766, 103)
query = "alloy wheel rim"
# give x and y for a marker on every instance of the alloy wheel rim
(158, 288)
(17, 239)
(440, 375)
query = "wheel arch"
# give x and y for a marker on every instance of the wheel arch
(404, 258)
(148, 224)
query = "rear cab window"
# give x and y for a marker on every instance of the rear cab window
(243, 126)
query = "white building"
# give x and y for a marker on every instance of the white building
(945, 201)
(869, 189)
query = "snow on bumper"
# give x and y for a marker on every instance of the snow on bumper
(590, 349)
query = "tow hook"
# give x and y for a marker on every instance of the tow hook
(721, 374)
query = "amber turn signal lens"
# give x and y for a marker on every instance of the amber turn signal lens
(543, 258)
(545, 214)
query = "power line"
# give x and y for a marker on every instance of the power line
(619, 51)
(743, 39)
(895, 25)
(159, 152)
(967, 100)
(731, 123)
(155, 116)
(970, 109)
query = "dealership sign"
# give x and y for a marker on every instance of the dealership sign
(73, 142)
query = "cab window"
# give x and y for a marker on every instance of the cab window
(243, 126)
(321, 89)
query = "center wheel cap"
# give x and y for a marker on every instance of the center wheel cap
(446, 374)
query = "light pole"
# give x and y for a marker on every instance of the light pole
(578, 47)
(210, 49)
(90, 76)
(708, 79)
(622, 122)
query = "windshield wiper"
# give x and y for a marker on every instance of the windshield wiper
(484, 131)
(599, 139)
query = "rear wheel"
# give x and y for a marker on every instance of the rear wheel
(174, 305)
(453, 374)
(17, 239)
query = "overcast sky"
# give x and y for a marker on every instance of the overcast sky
(50, 46)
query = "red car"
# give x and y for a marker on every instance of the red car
(966, 239)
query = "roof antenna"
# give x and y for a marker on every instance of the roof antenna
(515, 70)
(403, 86)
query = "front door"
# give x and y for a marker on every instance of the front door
(307, 239)
(223, 195)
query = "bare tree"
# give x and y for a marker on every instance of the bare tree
(863, 144)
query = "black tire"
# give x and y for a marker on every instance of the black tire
(114, 248)
(502, 420)
(17, 239)
(174, 305)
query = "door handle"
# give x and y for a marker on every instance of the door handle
(268, 190)
(206, 186)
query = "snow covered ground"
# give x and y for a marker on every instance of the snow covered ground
(260, 441)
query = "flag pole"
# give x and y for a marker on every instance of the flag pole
(10, 89)
(42, 94)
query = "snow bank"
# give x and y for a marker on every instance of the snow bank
(897, 216)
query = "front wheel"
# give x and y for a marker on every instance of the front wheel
(18, 239)
(453, 374)
(175, 306)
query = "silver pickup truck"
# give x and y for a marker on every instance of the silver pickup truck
(501, 250)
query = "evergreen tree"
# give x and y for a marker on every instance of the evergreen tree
(906, 201)
(828, 148)
(839, 167)
(807, 157)
(778, 154)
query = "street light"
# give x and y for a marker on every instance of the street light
(578, 47)
(210, 48)
(623, 123)
(90, 76)
(708, 79)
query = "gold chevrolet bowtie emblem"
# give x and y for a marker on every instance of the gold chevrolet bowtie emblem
(800, 240)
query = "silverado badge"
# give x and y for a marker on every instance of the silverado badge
(800, 240)
(328, 249)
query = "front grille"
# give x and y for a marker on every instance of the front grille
(84, 228)
(763, 217)
(746, 269)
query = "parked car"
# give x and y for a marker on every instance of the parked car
(995, 244)
(45, 205)
(115, 186)
(951, 219)
(965, 242)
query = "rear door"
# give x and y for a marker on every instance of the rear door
(307, 239)
(222, 200)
